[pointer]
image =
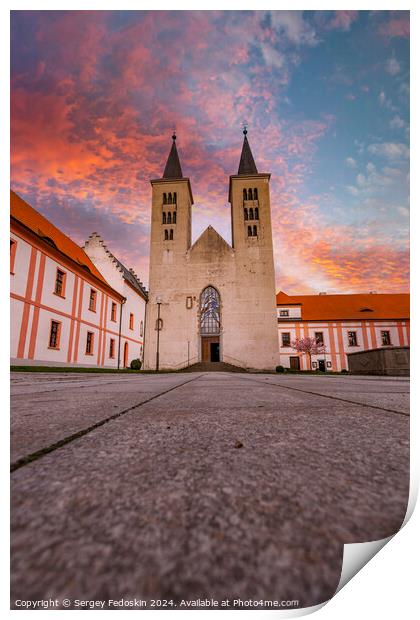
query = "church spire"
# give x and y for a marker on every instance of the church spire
(247, 163)
(173, 167)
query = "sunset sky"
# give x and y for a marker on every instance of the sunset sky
(96, 95)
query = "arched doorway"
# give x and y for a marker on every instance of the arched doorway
(210, 324)
(126, 355)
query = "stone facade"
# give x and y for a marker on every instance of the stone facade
(393, 361)
(242, 311)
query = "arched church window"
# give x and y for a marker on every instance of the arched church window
(256, 214)
(171, 234)
(245, 213)
(250, 194)
(164, 199)
(249, 231)
(164, 218)
(174, 217)
(245, 195)
(174, 198)
(209, 311)
(255, 193)
(254, 232)
(169, 198)
(251, 213)
(166, 235)
(169, 218)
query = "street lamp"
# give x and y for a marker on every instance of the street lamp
(158, 301)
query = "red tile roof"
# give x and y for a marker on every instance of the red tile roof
(38, 224)
(342, 307)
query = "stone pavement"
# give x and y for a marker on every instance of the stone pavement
(215, 485)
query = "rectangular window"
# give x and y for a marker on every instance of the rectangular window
(92, 300)
(131, 320)
(319, 338)
(386, 338)
(141, 328)
(113, 311)
(112, 348)
(285, 339)
(60, 283)
(284, 313)
(352, 339)
(89, 343)
(55, 331)
(13, 245)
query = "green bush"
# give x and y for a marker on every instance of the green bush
(135, 364)
(279, 368)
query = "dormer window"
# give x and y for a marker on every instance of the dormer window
(284, 313)
(366, 310)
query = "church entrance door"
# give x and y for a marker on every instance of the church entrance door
(210, 349)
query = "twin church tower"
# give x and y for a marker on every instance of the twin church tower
(211, 301)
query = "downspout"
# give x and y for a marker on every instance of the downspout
(144, 331)
(119, 333)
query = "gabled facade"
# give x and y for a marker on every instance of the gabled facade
(64, 312)
(344, 324)
(126, 282)
(211, 301)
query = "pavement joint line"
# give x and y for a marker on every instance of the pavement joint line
(76, 387)
(34, 456)
(344, 400)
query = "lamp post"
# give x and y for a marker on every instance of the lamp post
(158, 301)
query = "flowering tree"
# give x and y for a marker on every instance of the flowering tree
(308, 345)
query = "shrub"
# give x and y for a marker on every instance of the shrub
(135, 364)
(279, 368)
(344, 370)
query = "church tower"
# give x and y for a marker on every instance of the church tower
(252, 241)
(170, 238)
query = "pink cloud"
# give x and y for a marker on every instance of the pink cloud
(343, 19)
(397, 26)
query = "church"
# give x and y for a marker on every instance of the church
(207, 302)
(211, 301)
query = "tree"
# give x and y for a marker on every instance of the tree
(308, 345)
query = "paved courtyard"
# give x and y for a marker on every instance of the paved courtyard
(214, 485)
